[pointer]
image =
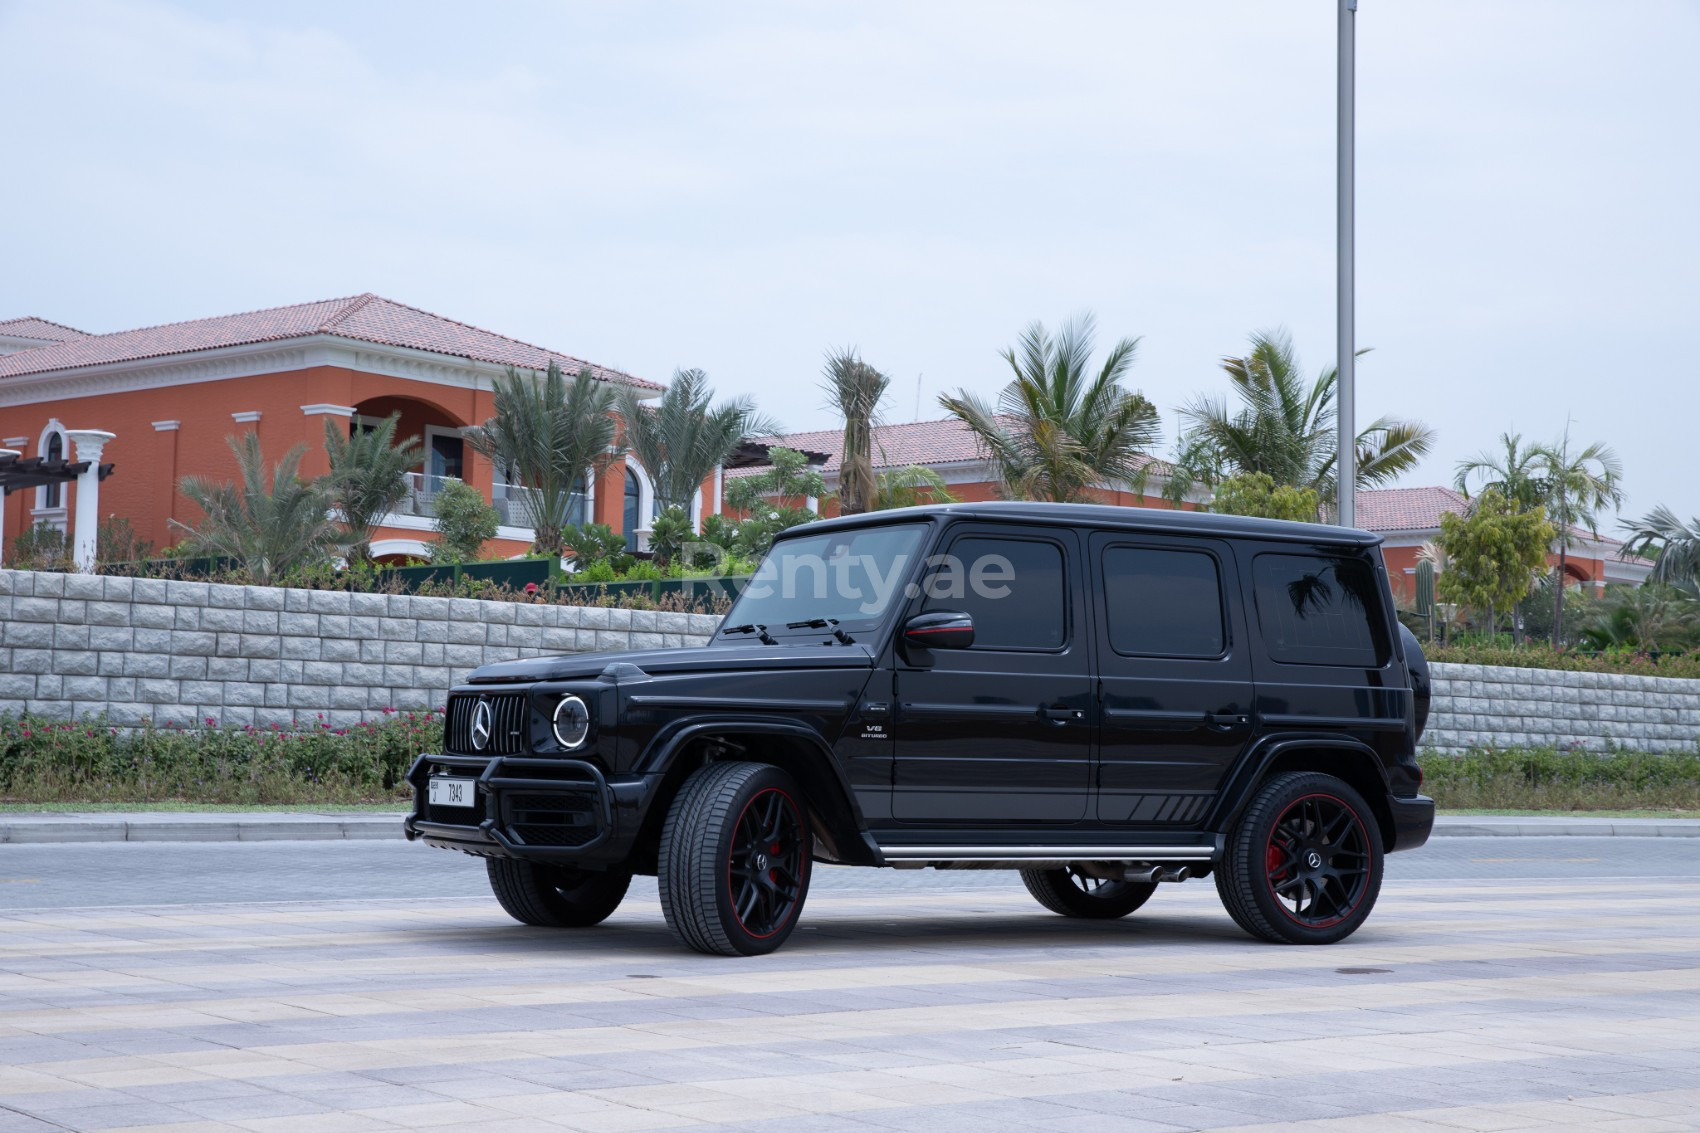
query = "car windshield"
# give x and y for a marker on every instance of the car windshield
(814, 582)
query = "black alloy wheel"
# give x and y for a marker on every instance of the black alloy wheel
(555, 896)
(735, 859)
(1073, 892)
(1304, 864)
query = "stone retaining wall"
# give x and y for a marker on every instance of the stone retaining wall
(136, 649)
(1475, 705)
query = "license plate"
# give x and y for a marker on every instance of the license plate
(453, 792)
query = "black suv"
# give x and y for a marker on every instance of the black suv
(1102, 698)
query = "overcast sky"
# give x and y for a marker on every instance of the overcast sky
(739, 186)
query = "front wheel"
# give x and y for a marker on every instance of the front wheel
(556, 896)
(1075, 893)
(1304, 863)
(734, 859)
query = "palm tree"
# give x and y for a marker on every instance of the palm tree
(267, 531)
(368, 477)
(1286, 428)
(1517, 473)
(910, 485)
(855, 389)
(1058, 432)
(681, 438)
(1578, 485)
(547, 433)
(1674, 546)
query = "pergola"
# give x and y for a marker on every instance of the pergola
(18, 472)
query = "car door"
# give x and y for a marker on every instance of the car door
(1000, 731)
(1175, 676)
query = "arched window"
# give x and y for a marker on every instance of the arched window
(634, 498)
(55, 495)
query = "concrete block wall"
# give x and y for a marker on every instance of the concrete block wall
(1476, 705)
(135, 649)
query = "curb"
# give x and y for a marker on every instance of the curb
(1462, 826)
(277, 827)
(207, 827)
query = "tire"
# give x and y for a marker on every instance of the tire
(735, 858)
(556, 896)
(1304, 863)
(1074, 894)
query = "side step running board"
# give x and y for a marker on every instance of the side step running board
(1202, 852)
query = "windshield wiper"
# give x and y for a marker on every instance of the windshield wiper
(760, 631)
(823, 623)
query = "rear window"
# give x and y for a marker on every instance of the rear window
(1163, 603)
(1319, 610)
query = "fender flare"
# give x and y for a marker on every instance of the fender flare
(1243, 780)
(841, 811)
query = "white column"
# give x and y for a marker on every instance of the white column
(719, 487)
(3, 453)
(90, 443)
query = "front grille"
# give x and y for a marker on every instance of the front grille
(455, 815)
(510, 720)
(552, 820)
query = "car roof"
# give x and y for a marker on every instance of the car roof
(1110, 517)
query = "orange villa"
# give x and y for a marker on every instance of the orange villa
(158, 402)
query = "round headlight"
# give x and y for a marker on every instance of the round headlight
(572, 722)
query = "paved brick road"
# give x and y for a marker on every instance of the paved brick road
(917, 1001)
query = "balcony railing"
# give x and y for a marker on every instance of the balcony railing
(422, 489)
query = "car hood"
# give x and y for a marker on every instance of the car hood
(690, 659)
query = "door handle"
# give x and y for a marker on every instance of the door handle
(1227, 721)
(1060, 714)
(876, 710)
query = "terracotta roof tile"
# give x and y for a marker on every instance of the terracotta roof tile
(364, 318)
(915, 442)
(1407, 509)
(47, 331)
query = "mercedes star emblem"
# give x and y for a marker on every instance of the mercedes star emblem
(1312, 859)
(481, 725)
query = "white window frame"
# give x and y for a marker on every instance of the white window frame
(55, 516)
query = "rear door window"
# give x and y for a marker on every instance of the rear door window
(1319, 610)
(1163, 603)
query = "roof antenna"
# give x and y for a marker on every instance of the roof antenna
(918, 396)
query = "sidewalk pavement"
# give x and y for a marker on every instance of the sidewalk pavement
(263, 826)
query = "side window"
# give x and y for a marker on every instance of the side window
(1014, 589)
(1319, 610)
(1163, 603)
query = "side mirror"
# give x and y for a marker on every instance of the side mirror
(941, 629)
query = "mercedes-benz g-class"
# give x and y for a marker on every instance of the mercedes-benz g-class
(1102, 698)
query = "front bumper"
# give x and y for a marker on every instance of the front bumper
(1413, 820)
(545, 810)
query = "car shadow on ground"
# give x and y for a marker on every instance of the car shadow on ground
(966, 934)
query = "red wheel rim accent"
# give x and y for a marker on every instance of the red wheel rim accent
(767, 866)
(1318, 861)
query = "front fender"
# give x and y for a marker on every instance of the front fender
(799, 749)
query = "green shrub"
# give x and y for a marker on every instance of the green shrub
(1547, 778)
(88, 760)
(464, 523)
(1569, 660)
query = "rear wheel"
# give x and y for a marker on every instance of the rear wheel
(735, 858)
(556, 896)
(1304, 864)
(1074, 893)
